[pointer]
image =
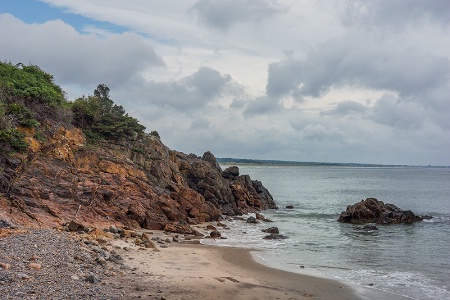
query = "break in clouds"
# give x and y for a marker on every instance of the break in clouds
(348, 81)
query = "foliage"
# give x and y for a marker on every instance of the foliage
(27, 95)
(155, 134)
(100, 118)
(12, 140)
(30, 84)
(23, 114)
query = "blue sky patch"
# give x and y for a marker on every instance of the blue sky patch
(33, 11)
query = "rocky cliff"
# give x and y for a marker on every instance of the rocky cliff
(138, 183)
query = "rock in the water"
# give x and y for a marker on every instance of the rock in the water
(373, 211)
(289, 206)
(370, 227)
(252, 220)
(275, 237)
(215, 234)
(272, 230)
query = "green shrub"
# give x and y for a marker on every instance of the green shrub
(12, 140)
(31, 84)
(155, 134)
(100, 118)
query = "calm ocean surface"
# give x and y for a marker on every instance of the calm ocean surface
(411, 260)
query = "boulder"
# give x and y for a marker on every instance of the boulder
(251, 220)
(231, 172)
(289, 206)
(215, 234)
(373, 211)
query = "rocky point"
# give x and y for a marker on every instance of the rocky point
(135, 183)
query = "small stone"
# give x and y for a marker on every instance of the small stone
(113, 229)
(251, 220)
(289, 206)
(215, 234)
(273, 230)
(23, 276)
(211, 227)
(75, 277)
(35, 266)
(275, 237)
(145, 237)
(101, 261)
(92, 279)
(5, 266)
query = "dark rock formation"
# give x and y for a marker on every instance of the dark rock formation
(289, 206)
(134, 183)
(373, 211)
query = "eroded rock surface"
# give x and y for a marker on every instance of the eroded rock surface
(138, 183)
(373, 211)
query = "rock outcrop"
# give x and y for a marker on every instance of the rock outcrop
(373, 211)
(138, 183)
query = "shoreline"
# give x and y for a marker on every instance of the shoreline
(182, 270)
(197, 271)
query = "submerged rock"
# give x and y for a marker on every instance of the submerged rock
(272, 230)
(373, 211)
(274, 236)
(370, 227)
(252, 220)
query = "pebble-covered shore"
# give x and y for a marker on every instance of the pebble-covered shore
(48, 264)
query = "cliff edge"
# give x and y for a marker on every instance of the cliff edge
(137, 183)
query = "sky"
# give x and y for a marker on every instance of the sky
(362, 81)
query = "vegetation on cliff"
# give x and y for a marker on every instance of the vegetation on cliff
(29, 98)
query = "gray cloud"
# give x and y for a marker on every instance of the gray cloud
(188, 94)
(347, 108)
(223, 14)
(395, 15)
(75, 58)
(391, 111)
(262, 105)
(358, 61)
(208, 82)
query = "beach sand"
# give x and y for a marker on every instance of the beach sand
(195, 271)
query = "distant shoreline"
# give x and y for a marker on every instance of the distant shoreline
(227, 160)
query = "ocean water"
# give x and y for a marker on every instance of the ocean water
(412, 260)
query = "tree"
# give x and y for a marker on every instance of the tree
(101, 119)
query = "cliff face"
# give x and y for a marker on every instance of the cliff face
(140, 183)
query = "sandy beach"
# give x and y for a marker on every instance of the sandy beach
(50, 264)
(196, 271)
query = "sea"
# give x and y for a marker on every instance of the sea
(411, 260)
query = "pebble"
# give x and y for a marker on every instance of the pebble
(48, 264)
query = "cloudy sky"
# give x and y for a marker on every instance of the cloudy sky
(365, 81)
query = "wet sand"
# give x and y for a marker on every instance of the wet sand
(195, 271)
